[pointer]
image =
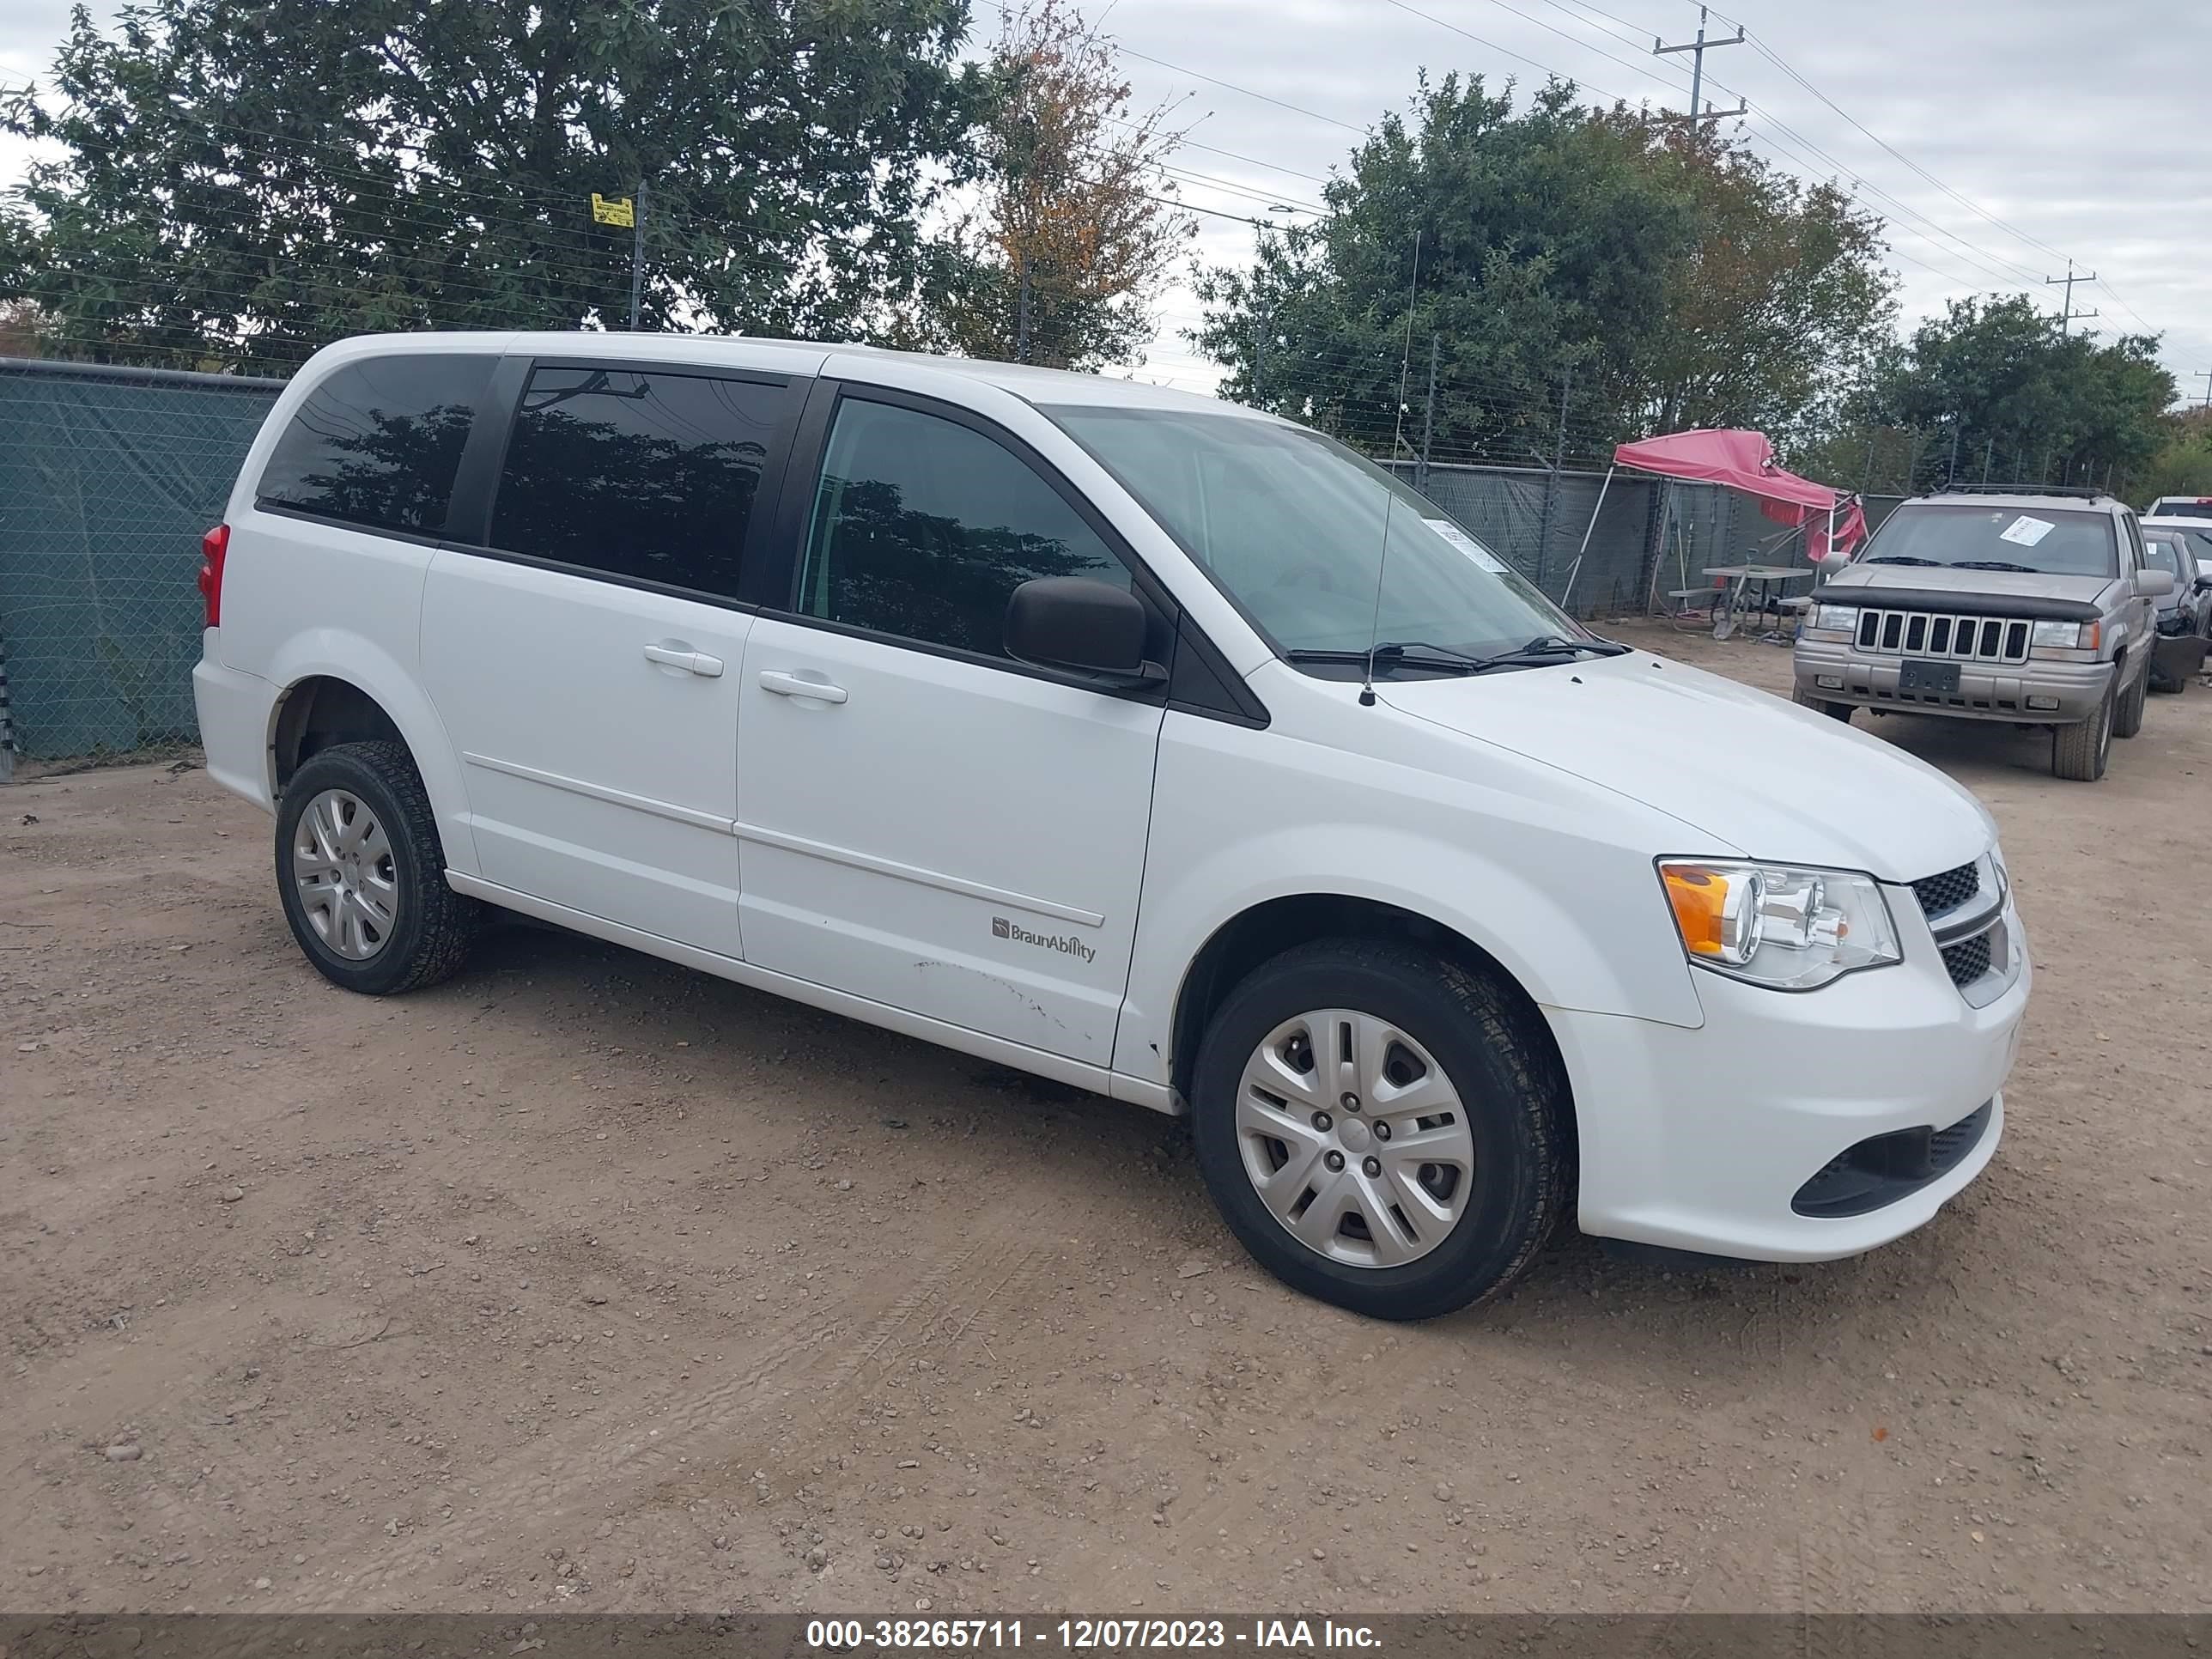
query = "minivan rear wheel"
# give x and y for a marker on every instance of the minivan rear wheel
(362, 875)
(1381, 1129)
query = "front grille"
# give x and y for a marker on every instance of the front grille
(1883, 1168)
(1948, 892)
(1967, 961)
(1950, 639)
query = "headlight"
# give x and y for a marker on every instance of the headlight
(1844, 618)
(1778, 925)
(2065, 636)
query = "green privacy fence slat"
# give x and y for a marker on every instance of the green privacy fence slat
(107, 478)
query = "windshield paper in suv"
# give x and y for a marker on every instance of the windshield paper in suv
(1288, 525)
(2053, 541)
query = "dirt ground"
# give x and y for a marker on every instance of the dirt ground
(587, 1281)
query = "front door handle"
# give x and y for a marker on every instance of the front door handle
(692, 662)
(784, 684)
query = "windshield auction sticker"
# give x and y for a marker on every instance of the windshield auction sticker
(1468, 544)
(2026, 531)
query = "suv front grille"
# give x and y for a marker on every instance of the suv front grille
(1948, 892)
(1949, 639)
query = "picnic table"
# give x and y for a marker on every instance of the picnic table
(1771, 579)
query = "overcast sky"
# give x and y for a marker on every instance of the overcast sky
(2024, 131)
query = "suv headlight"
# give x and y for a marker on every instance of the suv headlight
(2065, 636)
(1843, 619)
(1776, 924)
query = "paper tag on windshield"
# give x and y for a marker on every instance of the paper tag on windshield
(2026, 531)
(1466, 544)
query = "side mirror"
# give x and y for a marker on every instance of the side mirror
(2154, 584)
(1832, 561)
(2203, 584)
(1080, 626)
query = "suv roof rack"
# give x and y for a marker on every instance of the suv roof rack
(2086, 492)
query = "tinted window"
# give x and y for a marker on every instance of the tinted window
(650, 476)
(2181, 507)
(377, 443)
(924, 528)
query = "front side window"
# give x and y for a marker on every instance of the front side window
(2163, 553)
(924, 527)
(377, 443)
(647, 476)
(1291, 526)
(2053, 541)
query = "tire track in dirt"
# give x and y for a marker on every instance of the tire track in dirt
(827, 1360)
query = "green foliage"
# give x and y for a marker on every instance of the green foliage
(1676, 280)
(2182, 465)
(1994, 382)
(242, 180)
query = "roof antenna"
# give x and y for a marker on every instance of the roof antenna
(1390, 497)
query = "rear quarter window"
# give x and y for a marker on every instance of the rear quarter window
(378, 442)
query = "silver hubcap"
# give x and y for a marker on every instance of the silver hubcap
(1354, 1139)
(349, 885)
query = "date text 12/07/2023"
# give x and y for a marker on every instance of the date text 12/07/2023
(1082, 1634)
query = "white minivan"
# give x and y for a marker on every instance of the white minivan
(1141, 741)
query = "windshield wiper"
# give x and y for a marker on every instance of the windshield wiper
(1593, 644)
(1903, 558)
(1995, 564)
(1391, 656)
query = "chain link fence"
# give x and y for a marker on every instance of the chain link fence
(108, 477)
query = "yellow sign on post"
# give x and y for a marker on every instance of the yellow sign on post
(615, 210)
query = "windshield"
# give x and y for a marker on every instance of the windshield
(2181, 507)
(2053, 541)
(1289, 525)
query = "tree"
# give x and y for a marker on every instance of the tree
(1075, 232)
(1781, 302)
(2001, 393)
(1545, 249)
(240, 182)
(1601, 261)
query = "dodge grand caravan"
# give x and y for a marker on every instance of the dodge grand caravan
(1145, 742)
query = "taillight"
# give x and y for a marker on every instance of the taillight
(213, 545)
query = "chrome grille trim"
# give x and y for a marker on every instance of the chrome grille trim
(1943, 636)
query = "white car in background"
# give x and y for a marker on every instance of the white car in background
(1042, 716)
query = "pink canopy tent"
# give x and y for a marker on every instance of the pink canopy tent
(1742, 460)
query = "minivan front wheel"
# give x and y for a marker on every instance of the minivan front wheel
(1380, 1129)
(362, 875)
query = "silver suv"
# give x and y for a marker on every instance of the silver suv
(2037, 608)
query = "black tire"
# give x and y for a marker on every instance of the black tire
(2079, 751)
(2128, 718)
(1839, 711)
(434, 925)
(1507, 1080)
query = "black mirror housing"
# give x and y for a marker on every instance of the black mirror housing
(1080, 625)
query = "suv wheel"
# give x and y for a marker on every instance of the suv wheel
(2127, 719)
(1841, 711)
(1380, 1129)
(362, 875)
(2079, 751)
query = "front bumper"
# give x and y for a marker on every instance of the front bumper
(1990, 692)
(1699, 1140)
(2178, 656)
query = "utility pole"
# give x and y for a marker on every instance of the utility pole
(1428, 421)
(2067, 313)
(2205, 402)
(1696, 50)
(637, 257)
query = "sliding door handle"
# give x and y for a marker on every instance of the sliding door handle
(784, 684)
